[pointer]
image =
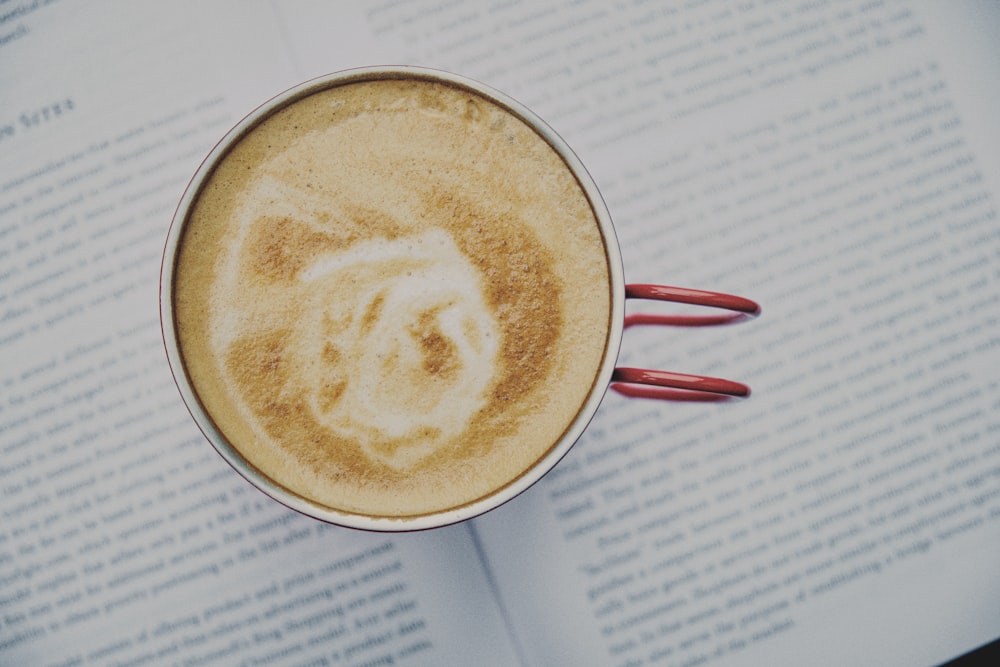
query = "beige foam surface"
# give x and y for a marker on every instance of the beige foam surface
(392, 297)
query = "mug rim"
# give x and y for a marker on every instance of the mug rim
(293, 500)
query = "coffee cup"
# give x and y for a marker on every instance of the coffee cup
(392, 299)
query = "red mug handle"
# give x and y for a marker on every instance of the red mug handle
(644, 383)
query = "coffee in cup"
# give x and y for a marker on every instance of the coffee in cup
(391, 295)
(392, 299)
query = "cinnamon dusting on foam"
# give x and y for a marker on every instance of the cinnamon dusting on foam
(401, 308)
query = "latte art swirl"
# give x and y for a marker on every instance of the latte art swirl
(392, 297)
(400, 348)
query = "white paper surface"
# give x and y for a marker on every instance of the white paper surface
(838, 162)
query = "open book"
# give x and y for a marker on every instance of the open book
(839, 162)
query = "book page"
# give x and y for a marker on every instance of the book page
(838, 163)
(124, 538)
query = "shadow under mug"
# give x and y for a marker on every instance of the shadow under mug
(631, 382)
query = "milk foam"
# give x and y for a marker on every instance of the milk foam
(396, 300)
(402, 329)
